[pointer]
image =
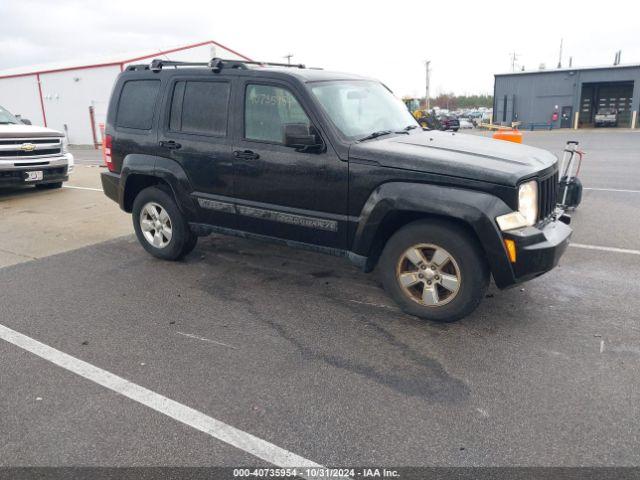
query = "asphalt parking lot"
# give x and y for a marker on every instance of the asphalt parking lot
(306, 353)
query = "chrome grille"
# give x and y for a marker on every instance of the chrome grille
(547, 195)
(29, 148)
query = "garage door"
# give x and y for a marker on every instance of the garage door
(615, 95)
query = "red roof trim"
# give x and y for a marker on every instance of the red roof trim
(122, 62)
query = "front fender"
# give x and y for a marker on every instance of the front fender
(476, 209)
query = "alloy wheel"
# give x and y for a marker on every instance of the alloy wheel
(429, 275)
(156, 225)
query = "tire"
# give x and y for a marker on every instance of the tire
(465, 263)
(49, 186)
(167, 234)
(189, 245)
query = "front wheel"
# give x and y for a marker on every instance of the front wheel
(160, 226)
(434, 270)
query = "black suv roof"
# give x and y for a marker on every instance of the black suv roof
(250, 68)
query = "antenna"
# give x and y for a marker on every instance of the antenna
(560, 55)
(514, 57)
(288, 57)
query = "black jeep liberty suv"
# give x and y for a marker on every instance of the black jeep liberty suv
(332, 162)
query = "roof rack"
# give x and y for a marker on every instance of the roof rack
(215, 64)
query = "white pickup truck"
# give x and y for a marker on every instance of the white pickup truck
(31, 155)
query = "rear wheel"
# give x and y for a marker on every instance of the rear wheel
(434, 270)
(160, 226)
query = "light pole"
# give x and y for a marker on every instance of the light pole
(426, 98)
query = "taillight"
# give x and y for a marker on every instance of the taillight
(108, 142)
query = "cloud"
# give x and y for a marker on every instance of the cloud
(467, 41)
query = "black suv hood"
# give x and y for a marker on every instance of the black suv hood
(458, 155)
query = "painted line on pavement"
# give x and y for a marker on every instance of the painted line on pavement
(605, 249)
(611, 190)
(242, 440)
(83, 188)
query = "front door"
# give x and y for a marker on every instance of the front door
(196, 135)
(565, 117)
(280, 191)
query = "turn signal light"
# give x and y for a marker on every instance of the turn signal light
(511, 250)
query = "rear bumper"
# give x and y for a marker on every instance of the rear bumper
(538, 249)
(14, 173)
(111, 186)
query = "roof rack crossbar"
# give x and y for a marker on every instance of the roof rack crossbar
(216, 64)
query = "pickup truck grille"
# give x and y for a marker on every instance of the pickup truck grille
(29, 148)
(547, 195)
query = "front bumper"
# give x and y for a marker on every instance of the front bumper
(538, 249)
(13, 173)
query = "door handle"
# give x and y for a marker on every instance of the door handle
(170, 144)
(246, 154)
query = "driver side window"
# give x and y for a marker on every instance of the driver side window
(267, 109)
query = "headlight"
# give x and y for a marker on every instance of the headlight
(527, 213)
(528, 201)
(65, 145)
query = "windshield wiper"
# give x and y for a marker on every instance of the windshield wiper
(377, 134)
(8, 123)
(406, 129)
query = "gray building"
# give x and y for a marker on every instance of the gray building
(574, 94)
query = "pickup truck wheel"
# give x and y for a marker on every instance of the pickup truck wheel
(434, 270)
(160, 226)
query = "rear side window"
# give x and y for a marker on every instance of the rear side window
(137, 104)
(200, 107)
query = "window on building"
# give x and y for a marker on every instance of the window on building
(137, 104)
(200, 107)
(267, 109)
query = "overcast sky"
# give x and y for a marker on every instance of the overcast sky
(466, 41)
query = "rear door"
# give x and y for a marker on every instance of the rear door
(196, 134)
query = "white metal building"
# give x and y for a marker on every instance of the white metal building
(65, 97)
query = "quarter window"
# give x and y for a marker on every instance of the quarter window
(267, 109)
(137, 104)
(200, 108)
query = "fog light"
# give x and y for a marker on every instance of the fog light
(511, 250)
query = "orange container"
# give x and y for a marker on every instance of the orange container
(508, 134)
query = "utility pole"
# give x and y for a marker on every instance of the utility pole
(288, 57)
(560, 55)
(426, 98)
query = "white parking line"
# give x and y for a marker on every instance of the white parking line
(612, 190)
(605, 249)
(244, 441)
(83, 188)
(208, 340)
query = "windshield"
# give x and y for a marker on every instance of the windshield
(606, 111)
(359, 108)
(6, 117)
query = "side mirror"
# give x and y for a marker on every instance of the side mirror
(302, 137)
(26, 121)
